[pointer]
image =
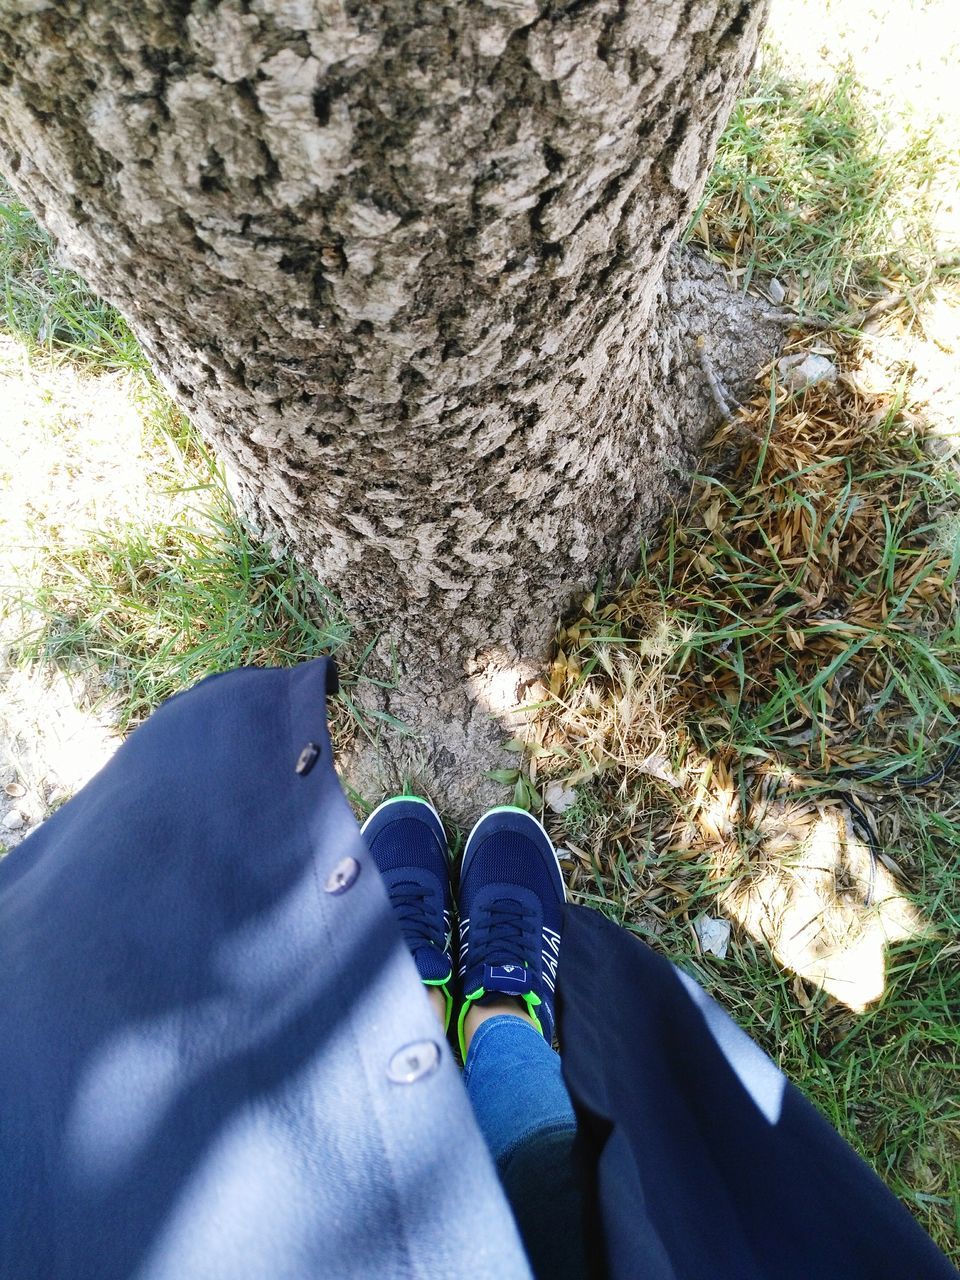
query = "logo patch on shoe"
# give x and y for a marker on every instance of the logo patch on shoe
(508, 978)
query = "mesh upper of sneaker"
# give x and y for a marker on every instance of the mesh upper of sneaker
(407, 849)
(511, 903)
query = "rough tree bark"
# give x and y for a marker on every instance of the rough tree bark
(409, 266)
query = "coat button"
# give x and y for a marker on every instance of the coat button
(342, 876)
(307, 758)
(413, 1062)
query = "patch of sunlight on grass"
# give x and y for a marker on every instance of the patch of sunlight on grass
(813, 187)
(798, 878)
(127, 559)
(126, 572)
(52, 742)
(905, 54)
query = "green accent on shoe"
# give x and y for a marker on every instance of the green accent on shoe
(447, 994)
(530, 999)
(464, 1010)
(402, 795)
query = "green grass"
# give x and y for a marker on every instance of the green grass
(148, 601)
(156, 608)
(48, 307)
(735, 619)
(808, 188)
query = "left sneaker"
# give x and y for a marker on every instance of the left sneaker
(407, 842)
(511, 910)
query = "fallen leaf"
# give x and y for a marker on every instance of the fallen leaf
(658, 766)
(559, 798)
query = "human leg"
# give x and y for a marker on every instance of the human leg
(511, 897)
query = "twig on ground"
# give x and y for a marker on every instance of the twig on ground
(857, 319)
(782, 315)
(717, 389)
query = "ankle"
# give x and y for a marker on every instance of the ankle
(439, 1002)
(478, 1013)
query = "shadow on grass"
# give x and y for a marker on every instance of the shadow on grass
(48, 307)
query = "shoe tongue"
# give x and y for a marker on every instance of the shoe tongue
(432, 964)
(508, 979)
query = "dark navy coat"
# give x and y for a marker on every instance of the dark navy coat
(206, 1021)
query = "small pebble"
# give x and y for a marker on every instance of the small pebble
(807, 371)
(13, 820)
(776, 291)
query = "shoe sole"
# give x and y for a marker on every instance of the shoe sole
(512, 808)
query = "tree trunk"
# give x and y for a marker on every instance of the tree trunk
(408, 267)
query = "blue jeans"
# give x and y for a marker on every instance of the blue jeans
(513, 1080)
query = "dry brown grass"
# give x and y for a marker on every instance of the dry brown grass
(739, 727)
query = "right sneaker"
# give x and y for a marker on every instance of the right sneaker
(511, 909)
(407, 842)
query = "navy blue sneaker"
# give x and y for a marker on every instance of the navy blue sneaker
(511, 905)
(407, 842)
